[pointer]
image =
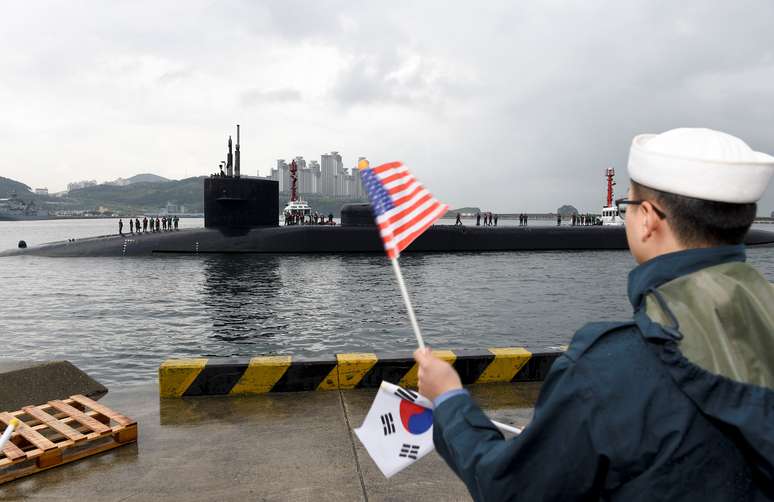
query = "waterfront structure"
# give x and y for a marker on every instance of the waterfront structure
(76, 185)
(119, 182)
(170, 208)
(41, 191)
(14, 208)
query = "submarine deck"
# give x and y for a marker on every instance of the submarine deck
(300, 239)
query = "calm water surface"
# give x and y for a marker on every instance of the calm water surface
(119, 318)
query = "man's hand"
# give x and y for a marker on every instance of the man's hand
(436, 376)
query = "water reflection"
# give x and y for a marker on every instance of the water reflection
(240, 295)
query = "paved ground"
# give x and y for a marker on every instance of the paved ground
(293, 446)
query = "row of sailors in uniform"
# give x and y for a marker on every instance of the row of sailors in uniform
(156, 224)
(298, 218)
(579, 220)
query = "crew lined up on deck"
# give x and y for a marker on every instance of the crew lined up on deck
(165, 224)
(293, 218)
(490, 219)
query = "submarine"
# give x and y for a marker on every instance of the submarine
(241, 216)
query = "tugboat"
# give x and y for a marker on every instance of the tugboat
(610, 216)
(297, 211)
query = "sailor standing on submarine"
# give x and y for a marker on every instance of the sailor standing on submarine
(675, 404)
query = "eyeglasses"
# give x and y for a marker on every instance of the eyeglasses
(621, 204)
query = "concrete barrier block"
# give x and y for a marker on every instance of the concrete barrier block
(234, 376)
(24, 383)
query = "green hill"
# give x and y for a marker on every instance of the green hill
(9, 186)
(142, 196)
(148, 197)
(147, 177)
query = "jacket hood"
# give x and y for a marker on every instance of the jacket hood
(743, 411)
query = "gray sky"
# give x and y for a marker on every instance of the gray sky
(506, 105)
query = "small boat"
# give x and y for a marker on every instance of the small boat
(297, 208)
(610, 217)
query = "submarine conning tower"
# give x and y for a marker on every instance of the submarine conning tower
(231, 201)
(357, 215)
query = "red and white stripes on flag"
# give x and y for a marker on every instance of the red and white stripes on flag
(403, 208)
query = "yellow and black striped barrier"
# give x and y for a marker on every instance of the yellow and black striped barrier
(221, 376)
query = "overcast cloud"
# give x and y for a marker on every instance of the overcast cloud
(506, 105)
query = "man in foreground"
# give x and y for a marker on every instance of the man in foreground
(677, 404)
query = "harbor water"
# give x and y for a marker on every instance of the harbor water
(118, 318)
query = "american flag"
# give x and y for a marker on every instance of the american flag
(403, 208)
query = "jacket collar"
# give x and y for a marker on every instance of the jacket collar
(661, 269)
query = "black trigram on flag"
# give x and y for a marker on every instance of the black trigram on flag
(388, 424)
(406, 394)
(409, 450)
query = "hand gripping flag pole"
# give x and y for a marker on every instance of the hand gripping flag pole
(398, 428)
(403, 210)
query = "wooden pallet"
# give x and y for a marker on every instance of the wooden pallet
(59, 432)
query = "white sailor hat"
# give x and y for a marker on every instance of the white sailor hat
(700, 163)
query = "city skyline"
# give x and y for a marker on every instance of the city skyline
(327, 177)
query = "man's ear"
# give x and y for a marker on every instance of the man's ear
(650, 221)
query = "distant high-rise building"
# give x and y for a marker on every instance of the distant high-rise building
(309, 181)
(283, 175)
(306, 182)
(357, 185)
(330, 165)
(342, 187)
(314, 170)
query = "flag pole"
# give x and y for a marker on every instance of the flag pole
(8, 431)
(506, 428)
(407, 301)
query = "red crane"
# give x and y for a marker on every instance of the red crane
(610, 185)
(293, 181)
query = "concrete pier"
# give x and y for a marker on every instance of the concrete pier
(34, 382)
(271, 447)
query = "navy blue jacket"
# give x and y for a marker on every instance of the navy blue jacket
(623, 415)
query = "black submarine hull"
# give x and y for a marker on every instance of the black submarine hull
(324, 239)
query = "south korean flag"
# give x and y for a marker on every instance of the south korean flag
(398, 429)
